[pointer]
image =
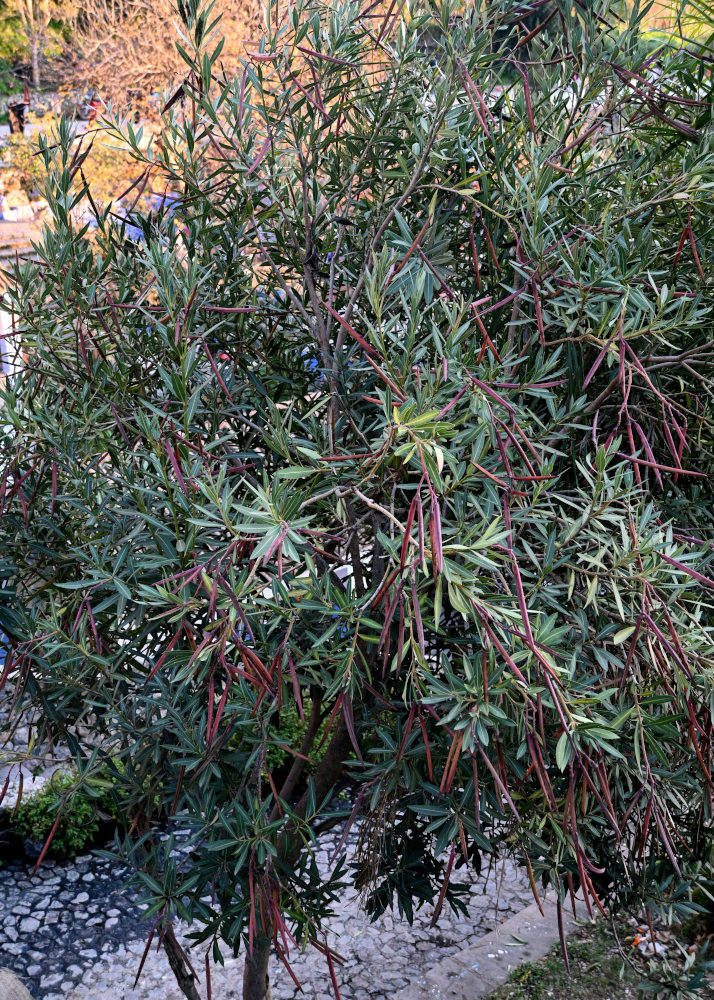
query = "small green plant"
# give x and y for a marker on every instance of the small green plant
(529, 977)
(290, 732)
(78, 823)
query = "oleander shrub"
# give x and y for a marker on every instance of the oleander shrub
(398, 422)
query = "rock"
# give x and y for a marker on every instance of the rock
(29, 925)
(13, 947)
(11, 988)
(51, 980)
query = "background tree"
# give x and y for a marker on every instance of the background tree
(394, 416)
(12, 45)
(36, 17)
(126, 49)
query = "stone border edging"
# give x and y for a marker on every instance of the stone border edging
(477, 971)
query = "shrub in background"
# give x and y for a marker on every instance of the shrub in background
(404, 414)
(38, 812)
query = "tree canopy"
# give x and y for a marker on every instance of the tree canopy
(379, 436)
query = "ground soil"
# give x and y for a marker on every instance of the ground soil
(597, 971)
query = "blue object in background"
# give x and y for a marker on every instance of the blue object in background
(167, 202)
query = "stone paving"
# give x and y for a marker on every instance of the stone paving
(56, 925)
(73, 933)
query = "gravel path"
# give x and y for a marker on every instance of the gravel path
(57, 924)
(73, 932)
